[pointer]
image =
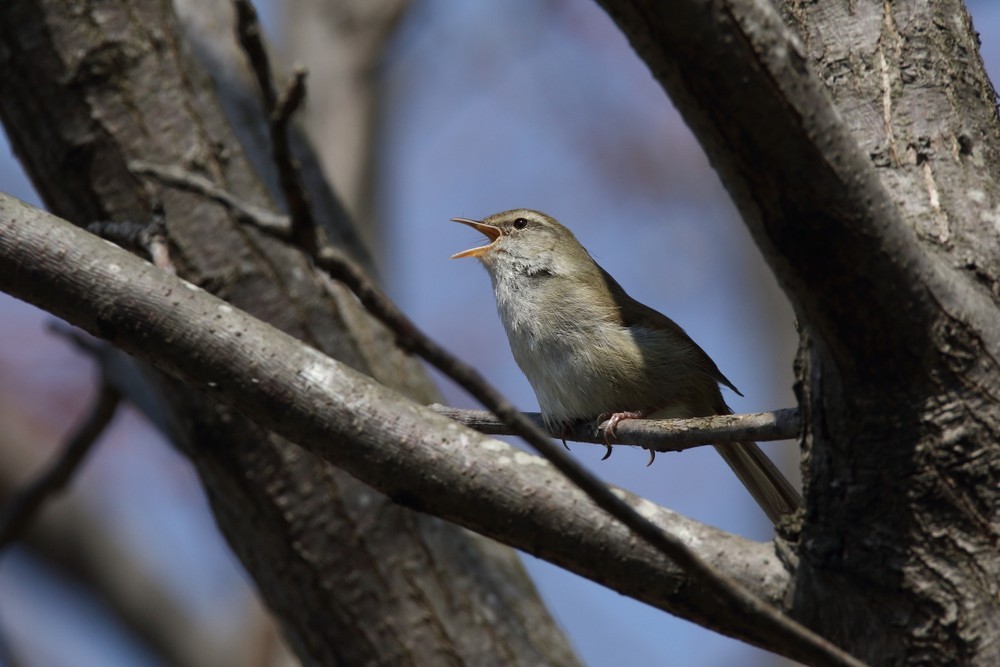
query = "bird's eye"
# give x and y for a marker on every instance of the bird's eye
(520, 223)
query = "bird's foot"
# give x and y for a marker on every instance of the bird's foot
(612, 420)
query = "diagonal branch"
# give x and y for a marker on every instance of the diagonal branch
(292, 389)
(338, 265)
(23, 507)
(416, 457)
(343, 269)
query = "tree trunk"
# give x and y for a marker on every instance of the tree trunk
(354, 578)
(862, 153)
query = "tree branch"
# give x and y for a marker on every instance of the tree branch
(22, 508)
(820, 204)
(407, 451)
(410, 337)
(661, 435)
(278, 109)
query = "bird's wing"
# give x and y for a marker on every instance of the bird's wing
(633, 313)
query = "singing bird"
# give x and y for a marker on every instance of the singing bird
(589, 350)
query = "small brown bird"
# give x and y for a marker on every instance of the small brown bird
(590, 350)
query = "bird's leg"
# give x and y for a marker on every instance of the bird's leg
(612, 423)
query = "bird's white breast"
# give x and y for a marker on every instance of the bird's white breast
(573, 360)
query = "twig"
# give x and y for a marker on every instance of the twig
(279, 110)
(289, 170)
(273, 223)
(149, 236)
(661, 435)
(21, 509)
(248, 31)
(7, 657)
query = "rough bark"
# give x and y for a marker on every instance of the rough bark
(863, 157)
(90, 86)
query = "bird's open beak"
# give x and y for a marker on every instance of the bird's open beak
(491, 232)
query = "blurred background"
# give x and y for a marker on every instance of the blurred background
(421, 111)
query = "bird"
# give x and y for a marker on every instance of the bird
(590, 351)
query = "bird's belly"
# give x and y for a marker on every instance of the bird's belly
(576, 375)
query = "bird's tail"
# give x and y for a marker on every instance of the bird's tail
(775, 494)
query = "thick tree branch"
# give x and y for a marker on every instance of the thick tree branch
(405, 450)
(658, 435)
(410, 337)
(820, 204)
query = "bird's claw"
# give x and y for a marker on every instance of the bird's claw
(609, 430)
(610, 421)
(565, 429)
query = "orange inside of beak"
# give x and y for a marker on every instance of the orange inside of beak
(491, 232)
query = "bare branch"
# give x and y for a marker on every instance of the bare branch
(272, 223)
(661, 435)
(23, 507)
(299, 393)
(279, 110)
(248, 31)
(413, 339)
(149, 236)
(7, 656)
(76, 540)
